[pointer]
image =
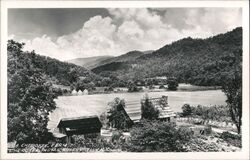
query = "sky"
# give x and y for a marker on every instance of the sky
(86, 32)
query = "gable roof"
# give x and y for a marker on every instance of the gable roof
(80, 125)
(133, 108)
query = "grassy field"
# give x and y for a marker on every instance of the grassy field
(76, 106)
(189, 87)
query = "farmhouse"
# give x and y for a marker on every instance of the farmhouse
(133, 109)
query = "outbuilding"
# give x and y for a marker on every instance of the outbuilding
(84, 125)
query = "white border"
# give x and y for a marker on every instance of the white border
(244, 154)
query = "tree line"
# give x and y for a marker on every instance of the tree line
(205, 62)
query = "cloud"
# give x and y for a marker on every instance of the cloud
(12, 36)
(129, 29)
(94, 38)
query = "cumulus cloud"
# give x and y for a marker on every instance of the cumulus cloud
(129, 29)
(12, 36)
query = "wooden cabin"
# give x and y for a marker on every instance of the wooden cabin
(84, 125)
(133, 109)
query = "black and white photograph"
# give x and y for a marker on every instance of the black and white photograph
(119, 79)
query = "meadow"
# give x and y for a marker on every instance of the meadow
(85, 105)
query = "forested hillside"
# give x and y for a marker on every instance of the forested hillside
(130, 56)
(55, 71)
(196, 61)
(31, 94)
(90, 62)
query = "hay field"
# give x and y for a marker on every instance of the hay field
(86, 105)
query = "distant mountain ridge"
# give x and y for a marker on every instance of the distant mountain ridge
(93, 62)
(196, 61)
(90, 62)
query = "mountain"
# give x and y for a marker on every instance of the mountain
(90, 62)
(148, 52)
(130, 56)
(53, 70)
(93, 62)
(196, 61)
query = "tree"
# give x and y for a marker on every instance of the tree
(133, 88)
(148, 111)
(157, 136)
(233, 89)
(117, 116)
(186, 110)
(172, 84)
(30, 98)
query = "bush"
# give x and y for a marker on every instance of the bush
(80, 144)
(161, 87)
(134, 88)
(216, 113)
(172, 84)
(198, 145)
(186, 110)
(109, 89)
(157, 136)
(232, 139)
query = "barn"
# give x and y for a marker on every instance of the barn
(79, 126)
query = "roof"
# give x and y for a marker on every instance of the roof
(76, 106)
(133, 108)
(80, 125)
(56, 133)
(83, 121)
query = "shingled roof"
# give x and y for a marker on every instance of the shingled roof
(133, 108)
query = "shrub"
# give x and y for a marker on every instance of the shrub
(161, 87)
(232, 139)
(217, 113)
(186, 110)
(198, 145)
(157, 136)
(109, 89)
(133, 88)
(172, 84)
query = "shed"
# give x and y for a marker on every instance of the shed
(79, 126)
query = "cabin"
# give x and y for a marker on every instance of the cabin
(133, 109)
(85, 125)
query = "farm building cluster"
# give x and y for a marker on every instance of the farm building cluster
(69, 119)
